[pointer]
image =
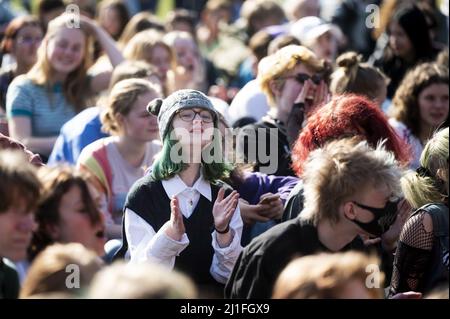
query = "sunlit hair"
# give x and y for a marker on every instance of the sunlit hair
(56, 182)
(141, 281)
(49, 271)
(405, 105)
(75, 86)
(121, 100)
(139, 22)
(281, 62)
(141, 46)
(13, 29)
(420, 190)
(325, 276)
(172, 37)
(254, 11)
(134, 70)
(347, 115)
(353, 76)
(342, 169)
(18, 181)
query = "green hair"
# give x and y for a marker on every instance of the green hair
(213, 170)
(420, 190)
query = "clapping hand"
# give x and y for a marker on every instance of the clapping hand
(174, 227)
(223, 209)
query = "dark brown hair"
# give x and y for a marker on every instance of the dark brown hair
(13, 29)
(56, 182)
(405, 105)
(18, 181)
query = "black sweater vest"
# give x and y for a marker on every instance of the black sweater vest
(148, 199)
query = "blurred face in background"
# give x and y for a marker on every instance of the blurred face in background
(75, 225)
(160, 57)
(26, 44)
(326, 46)
(110, 20)
(306, 8)
(399, 41)
(434, 104)
(187, 53)
(16, 230)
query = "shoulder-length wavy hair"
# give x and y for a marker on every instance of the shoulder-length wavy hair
(74, 87)
(405, 106)
(165, 168)
(347, 115)
(56, 182)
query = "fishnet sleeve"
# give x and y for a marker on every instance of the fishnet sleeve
(412, 256)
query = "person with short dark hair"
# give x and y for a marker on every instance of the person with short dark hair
(19, 194)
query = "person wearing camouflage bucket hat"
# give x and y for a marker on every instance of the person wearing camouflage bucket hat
(178, 100)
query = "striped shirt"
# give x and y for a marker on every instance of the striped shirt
(48, 111)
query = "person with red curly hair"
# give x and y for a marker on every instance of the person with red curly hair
(344, 116)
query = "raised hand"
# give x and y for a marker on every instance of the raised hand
(321, 96)
(223, 209)
(175, 226)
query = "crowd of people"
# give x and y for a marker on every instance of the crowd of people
(224, 149)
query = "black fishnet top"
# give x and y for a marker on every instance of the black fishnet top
(412, 256)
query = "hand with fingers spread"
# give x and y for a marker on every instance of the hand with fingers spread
(175, 226)
(223, 210)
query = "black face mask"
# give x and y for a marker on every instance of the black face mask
(384, 218)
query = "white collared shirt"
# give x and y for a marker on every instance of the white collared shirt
(144, 244)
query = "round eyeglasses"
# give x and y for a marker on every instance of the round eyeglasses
(189, 115)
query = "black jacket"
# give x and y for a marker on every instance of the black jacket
(260, 263)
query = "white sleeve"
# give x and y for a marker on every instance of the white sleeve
(225, 257)
(146, 245)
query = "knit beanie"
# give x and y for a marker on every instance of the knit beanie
(182, 99)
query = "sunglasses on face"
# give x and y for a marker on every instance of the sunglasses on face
(303, 77)
(189, 115)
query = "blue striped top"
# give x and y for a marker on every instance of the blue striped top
(48, 112)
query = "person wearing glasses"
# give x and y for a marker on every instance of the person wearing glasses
(119, 160)
(21, 40)
(181, 215)
(294, 81)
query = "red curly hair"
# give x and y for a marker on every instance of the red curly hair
(347, 115)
